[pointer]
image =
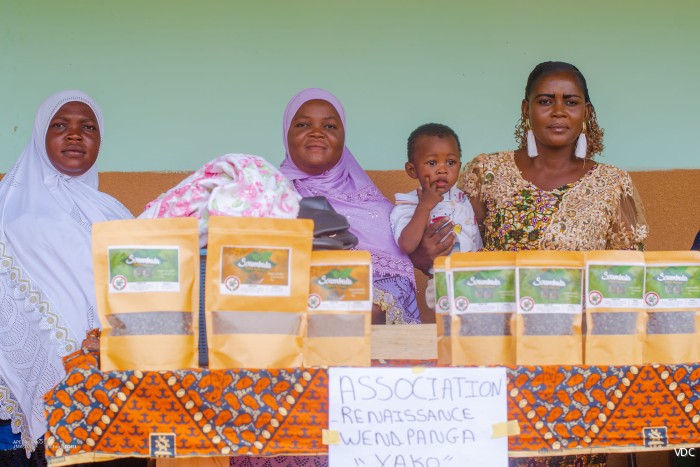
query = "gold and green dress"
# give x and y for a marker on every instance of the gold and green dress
(600, 211)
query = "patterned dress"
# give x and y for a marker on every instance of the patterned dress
(600, 211)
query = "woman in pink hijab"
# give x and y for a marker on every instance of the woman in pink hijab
(319, 164)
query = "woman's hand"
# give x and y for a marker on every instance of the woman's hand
(378, 315)
(438, 240)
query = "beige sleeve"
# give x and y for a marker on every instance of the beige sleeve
(471, 182)
(629, 228)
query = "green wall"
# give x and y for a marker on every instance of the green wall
(182, 82)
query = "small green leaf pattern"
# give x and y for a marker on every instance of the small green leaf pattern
(551, 285)
(617, 281)
(260, 255)
(134, 271)
(341, 274)
(673, 282)
(485, 286)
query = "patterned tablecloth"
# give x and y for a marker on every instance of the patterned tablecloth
(94, 415)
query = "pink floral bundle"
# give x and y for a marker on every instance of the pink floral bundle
(231, 185)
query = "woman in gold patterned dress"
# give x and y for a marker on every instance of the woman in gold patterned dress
(549, 194)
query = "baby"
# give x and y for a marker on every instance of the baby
(434, 159)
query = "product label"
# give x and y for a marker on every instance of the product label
(615, 286)
(484, 290)
(672, 286)
(549, 290)
(258, 271)
(138, 269)
(342, 288)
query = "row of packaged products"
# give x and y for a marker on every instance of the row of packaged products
(568, 308)
(269, 301)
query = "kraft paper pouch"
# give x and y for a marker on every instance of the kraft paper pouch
(257, 288)
(672, 299)
(483, 308)
(339, 309)
(615, 314)
(147, 288)
(441, 278)
(549, 291)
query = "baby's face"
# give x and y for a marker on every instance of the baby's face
(436, 162)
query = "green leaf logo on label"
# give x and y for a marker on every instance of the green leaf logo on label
(119, 282)
(527, 303)
(461, 303)
(652, 299)
(314, 301)
(232, 283)
(595, 297)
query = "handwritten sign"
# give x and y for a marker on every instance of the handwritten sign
(403, 417)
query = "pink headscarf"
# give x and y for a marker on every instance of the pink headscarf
(350, 192)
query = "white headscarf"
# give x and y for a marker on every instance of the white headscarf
(47, 292)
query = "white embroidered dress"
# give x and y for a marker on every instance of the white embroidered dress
(47, 293)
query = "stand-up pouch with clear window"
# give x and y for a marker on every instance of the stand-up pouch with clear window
(339, 309)
(257, 289)
(672, 300)
(483, 308)
(615, 315)
(549, 291)
(147, 288)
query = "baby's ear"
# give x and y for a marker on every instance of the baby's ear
(411, 170)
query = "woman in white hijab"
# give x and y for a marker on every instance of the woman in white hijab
(48, 203)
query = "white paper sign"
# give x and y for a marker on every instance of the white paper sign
(404, 417)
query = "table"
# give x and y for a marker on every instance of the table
(560, 410)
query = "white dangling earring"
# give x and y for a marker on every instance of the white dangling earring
(531, 143)
(581, 144)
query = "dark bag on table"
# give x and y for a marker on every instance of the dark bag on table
(331, 230)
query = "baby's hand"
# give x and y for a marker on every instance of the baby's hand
(428, 194)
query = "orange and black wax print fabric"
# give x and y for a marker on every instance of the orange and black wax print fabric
(591, 409)
(560, 410)
(96, 415)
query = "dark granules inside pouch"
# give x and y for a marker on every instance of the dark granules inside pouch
(548, 324)
(446, 324)
(614, 323)
(671, 322)
(151, 323)
(485, 324)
